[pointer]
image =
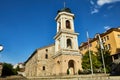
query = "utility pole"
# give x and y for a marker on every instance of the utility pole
(91, 65)
(101, 49)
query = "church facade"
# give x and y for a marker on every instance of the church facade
(60, 58)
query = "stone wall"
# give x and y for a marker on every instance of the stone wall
(40, 63)
(31, 66)
(63, 63)
(45, 63)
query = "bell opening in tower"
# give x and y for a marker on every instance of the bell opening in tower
(68, 24)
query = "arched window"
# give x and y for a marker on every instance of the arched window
(68, 24)
(69, 43)
(46, 56)
(46, 50)
(43, 67)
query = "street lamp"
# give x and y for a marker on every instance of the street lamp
(1, 48)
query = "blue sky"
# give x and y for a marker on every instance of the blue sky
(26, 25)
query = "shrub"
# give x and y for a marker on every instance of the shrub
(8, 70)
(68, 72)
(79, 71)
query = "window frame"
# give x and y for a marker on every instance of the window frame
(69, 43)
(43, 68)
(46, 56)
(68, 24)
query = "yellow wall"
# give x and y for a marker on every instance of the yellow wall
(113, 41)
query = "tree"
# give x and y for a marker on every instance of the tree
(95, 62)
(8, 70)
(107, 58)
(18, 68)
(79, 71)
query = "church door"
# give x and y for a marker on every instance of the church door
(71, 67)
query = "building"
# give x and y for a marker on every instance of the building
(1, 68)
(110, 39)
(20, 68)
(60, 57)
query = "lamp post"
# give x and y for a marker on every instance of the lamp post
(1, 47)
(102, 52)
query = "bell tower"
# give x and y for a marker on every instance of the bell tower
(66, 38)
(67, 56)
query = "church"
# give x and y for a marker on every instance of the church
(62, 57)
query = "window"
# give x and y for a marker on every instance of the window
(109, 46)
(46, 56)
(106, 47)
(104, 38)
(43, 67)
(46, 50)
(68, 24)
(69, 43)
(118, 35)
(107, 37)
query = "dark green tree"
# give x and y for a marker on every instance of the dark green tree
(18, 68)
(107, 58)
(79, 71)
(86, 61)
(8, 70)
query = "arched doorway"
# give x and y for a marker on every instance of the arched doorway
(71, 66)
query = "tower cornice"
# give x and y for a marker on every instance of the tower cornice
(63, 13)
(65, 32)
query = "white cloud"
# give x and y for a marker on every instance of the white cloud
(92, 2)
(95, 10)
(96, 6)
(107, 27)
(110, 7)
(102, 2)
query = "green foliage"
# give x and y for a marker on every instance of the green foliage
(68, 72)
(107, 58)
(18, 68)
(8, 70)
(108, 61)
(97, 62)
(79, 71)
(86, 61)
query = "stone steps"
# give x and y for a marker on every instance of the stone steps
(75, 77)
